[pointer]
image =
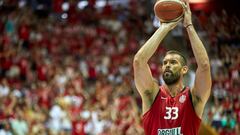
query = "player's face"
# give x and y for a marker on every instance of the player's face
(171, 69)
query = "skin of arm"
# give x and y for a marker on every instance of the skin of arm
(202, 85)
(144, 81)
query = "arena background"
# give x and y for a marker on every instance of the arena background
(66, 65)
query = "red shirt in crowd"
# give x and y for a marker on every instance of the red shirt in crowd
(24, 32)
(78, 127)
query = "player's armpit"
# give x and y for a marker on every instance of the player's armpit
(198, 104)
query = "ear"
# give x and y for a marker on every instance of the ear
(184, 69)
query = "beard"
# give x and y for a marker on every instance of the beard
(170, 78)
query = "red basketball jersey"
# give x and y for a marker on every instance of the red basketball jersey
(171, 115)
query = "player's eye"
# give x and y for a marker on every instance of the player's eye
(164, 62)
(173, 62)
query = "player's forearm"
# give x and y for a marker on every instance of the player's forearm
(198, 48)
(148, 49)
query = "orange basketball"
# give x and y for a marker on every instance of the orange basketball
(168, 10)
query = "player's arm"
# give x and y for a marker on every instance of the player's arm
(144, 81)
(202, 85)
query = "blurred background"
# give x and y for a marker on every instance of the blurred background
(66, 65)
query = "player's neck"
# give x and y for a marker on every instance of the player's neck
(174, 89)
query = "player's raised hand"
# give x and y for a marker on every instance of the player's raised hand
(170, 25)
(187, 14)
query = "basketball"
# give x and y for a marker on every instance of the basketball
(168, 10)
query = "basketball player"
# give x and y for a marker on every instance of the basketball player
(172, 109)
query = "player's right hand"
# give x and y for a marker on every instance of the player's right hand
(170, 25)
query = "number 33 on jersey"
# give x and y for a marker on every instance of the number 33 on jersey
(171, 113)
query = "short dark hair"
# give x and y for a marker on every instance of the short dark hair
(183, 58)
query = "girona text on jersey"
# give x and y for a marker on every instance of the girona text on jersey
(172, 131)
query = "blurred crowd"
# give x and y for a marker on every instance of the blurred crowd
(223, 32)
(70, 72)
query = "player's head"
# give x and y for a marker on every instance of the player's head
(174, 67)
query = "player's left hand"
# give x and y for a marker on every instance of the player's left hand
(187, 14)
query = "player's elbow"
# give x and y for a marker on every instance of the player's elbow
(137, 60)
(205, 65)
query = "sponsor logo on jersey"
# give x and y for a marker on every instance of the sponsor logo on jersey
(182, 99)
(170, 131)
